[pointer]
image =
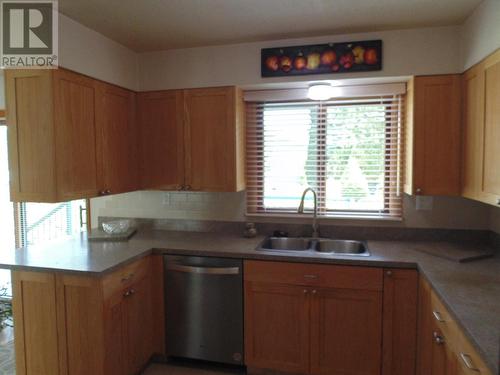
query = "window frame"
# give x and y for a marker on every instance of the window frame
(321, 192)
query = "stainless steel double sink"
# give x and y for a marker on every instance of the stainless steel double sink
(318, 245)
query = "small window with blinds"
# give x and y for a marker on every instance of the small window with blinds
(38, 223)
(347, 150)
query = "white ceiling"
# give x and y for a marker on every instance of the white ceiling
(151, 25)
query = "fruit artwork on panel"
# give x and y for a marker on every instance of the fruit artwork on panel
(328, 58)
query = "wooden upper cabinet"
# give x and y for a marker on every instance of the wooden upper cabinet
(69, 136)
(434, 141)
(116, 141)
(160, 117)
(192, 139)
(491, 155)
(214, 139)
(30, 119)
(473, 118)
(481, 131)
(74, 103)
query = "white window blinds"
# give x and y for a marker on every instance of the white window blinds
(348, 150)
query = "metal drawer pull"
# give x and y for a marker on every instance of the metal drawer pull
(204, 270)
(127, 278)
(438, 316)
(468, 362)
(310, 276)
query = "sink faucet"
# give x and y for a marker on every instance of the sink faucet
(315, 232)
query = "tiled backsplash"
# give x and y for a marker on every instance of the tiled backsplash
(172, 205)
(446, 212)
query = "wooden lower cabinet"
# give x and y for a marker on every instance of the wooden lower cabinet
(400, 321)
(138, 328)
(34, 309)
(442, 346)
(329, 319)
(346, 331)
(78, 325)
(277, 328)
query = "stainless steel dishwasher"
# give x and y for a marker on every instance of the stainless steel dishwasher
(204, 308)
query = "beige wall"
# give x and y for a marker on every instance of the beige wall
(88, 52)
(481, 33)
(447, 212)
(406, 52)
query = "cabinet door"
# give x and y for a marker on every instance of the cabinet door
(400, 322)
(424, 327)
(80, 322)
(161, 146)
(491, 169)
(75, 135)
(473, 128)
(30, 135)
(117, 140)
(346, 332)
(35, 319)
(276, 327)
(437, 136)
(114, 335)
(212, 139)
(139, 332)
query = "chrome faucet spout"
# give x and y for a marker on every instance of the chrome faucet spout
(300, 210)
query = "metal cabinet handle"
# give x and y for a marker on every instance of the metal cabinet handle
(305, 291)
(314, 291)
(418, 190)
(388, 273)
(129, 292)
(310, 276)
(438, 316)
(204, 270)
(128, 277)
(468, 362)
(438, 339)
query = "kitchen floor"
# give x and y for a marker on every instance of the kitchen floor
(7, 360)
(190, 369)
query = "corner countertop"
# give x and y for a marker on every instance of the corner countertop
(471, 291)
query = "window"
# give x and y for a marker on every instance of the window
(348, 150)
(6, 210)
(43, 222)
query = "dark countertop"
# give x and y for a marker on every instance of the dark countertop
(471, 291)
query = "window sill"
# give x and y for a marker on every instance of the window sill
(327, 217)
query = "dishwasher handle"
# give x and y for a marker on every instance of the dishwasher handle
(203, 270)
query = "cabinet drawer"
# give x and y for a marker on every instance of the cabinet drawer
(442, 318)
(467, 357)
(332, 276)
(125, 276)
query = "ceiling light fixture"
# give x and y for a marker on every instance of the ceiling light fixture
(322, 91)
